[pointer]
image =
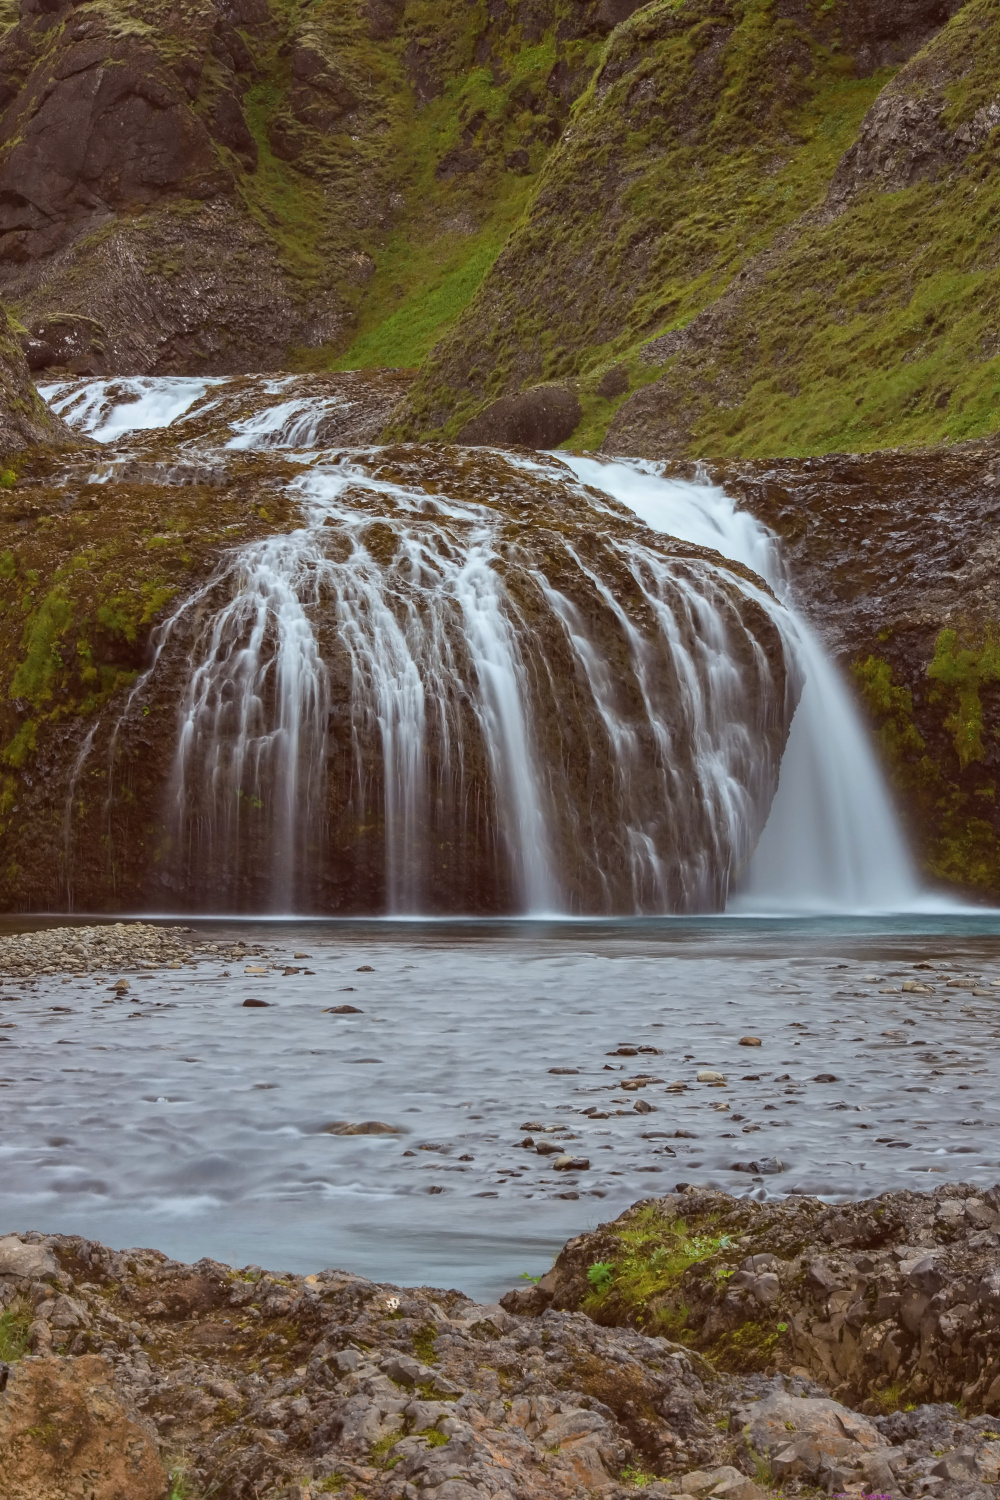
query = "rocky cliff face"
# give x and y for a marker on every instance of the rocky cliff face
(25, 420)
(233, 185)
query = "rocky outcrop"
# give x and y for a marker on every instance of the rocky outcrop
(270, 1385)
(25, 420)
(542, 417)
(885, 1301)
(204, 524)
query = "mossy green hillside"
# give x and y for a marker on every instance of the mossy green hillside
(386, 170)
(702, 136)
(874, 324)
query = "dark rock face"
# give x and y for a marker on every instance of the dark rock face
(212, 184)
(100, 129)
(25, 420)
(541, 417)
(898, 1291)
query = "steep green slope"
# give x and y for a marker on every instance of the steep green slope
(875, 325)
(679, 224)
(236, 184)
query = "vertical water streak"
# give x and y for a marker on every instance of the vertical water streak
(832, 840)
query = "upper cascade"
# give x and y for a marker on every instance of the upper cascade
(460, 681)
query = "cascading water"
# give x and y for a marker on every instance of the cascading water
(471, 684)
(832, 841)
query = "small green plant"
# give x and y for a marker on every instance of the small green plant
(433, 1438)
(636, 1477)
(14, 1325)
(527, 1276)
(379, 1451)
(179, 1487)
(423, 1343)
(332, 1484)
(763, 1473)
(8, 479)
(601, 1275)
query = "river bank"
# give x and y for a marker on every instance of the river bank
(146, 1376)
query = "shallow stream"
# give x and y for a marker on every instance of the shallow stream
(180, 1119)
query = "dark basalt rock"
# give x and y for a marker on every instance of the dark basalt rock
(897, 1294)
(541, 417)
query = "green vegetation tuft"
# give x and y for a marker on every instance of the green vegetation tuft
(944, 780)
(961, 672)
(636, 1286)
(14, 1326)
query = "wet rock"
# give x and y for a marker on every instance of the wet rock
(767, 1166)
(256, 1004)
(750, 1041)
(710, 1075)
(342, 1010)
(568, 1163)
(366, 1127)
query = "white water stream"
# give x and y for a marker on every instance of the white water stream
(832, 840)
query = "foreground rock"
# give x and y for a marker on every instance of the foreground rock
(888, 1301)
(259, 1384)
(61, 1420)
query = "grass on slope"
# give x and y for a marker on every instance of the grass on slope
(674, 174)
(879, 328)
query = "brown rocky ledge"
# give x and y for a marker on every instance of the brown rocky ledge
(130, 1376)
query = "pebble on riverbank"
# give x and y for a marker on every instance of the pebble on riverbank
(110, 948)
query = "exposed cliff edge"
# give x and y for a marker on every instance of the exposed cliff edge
(25, 420)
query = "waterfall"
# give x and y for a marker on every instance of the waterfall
(473, 681)
(832, 841)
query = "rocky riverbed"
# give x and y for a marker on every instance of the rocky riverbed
(127, 1374)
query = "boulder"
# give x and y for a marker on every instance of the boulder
(813, 1438)
(541, 417)
(33, 1262)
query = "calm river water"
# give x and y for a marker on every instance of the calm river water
(180, 1119)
